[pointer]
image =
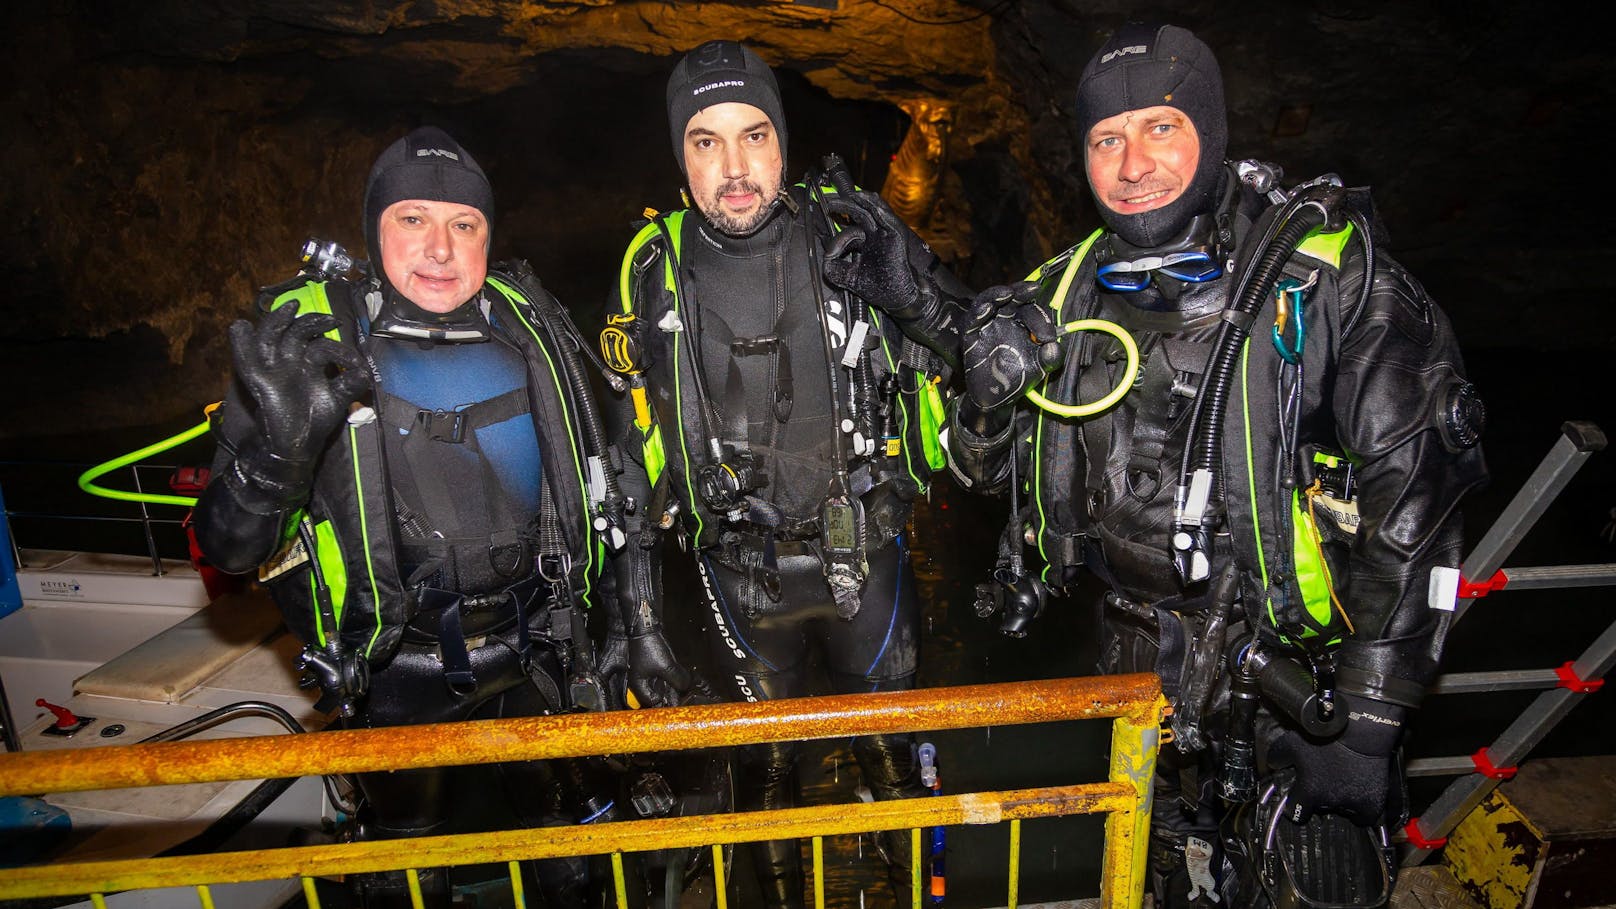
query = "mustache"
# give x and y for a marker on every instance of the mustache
(737, 187)
(1134, 191)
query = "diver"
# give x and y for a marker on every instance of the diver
(400, 459)
(1253, 426)
(779, 422)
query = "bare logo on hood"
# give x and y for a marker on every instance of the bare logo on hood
(438, 152)
(1124, 51)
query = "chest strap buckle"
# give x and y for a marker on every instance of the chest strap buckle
(442, 425)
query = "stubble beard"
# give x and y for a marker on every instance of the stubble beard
(738, 225)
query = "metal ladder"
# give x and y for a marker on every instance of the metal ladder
(1563, 688)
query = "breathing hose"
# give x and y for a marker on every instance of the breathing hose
(1200, 482)
(1304, 213)
(569, 344)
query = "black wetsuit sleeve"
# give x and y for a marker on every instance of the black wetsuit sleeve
(236, 535)
(1397, 367)
(943, 304)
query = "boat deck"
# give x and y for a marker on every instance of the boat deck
(133, 654)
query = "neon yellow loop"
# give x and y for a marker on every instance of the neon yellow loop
(87, 479)
(1111, 398)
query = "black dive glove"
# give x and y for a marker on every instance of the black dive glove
(646, 661)
(1355, 774)
(1010, 347)
(870, 256)
(286, 365)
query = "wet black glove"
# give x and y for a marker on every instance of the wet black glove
(645, 660)
(1355, 774)
(1010, 347)
(870, 257)
(285, 363)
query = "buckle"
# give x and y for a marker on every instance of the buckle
(442, 425)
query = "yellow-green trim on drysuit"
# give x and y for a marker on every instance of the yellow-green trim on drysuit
(311, 297)
(1312, 573)
(364, 532)
(328, 554)
(929, 401)
(656, 458)
(563, 388)
(674, 222)
(1078, 253)
(1326, 248)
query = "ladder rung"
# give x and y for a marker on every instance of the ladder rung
(1500, 680)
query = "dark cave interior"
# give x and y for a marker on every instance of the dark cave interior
(165, 161)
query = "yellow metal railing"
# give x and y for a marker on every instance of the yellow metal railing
(1133, 702)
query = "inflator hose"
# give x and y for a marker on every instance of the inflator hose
(569, 343)
(1301, 215)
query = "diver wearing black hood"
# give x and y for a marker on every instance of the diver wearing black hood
(1262, 461)
(780, 425)
(414, 433)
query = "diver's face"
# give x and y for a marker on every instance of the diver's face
(732, 160)
(1143, 159)
(434, 253)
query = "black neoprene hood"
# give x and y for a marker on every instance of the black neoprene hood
(1144, 66)
(426, 164)
(714, 73)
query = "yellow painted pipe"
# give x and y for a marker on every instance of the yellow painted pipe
(69, 879)
(576, 735)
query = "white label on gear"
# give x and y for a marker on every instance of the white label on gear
(670, 322)
(597, 480)
(1200, 492)
(1443, 593)
(855, 344)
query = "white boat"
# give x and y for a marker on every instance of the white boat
(132, 653)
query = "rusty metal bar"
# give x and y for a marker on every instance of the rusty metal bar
(577, 735)
(70, 879)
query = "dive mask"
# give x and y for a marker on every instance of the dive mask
(1189, 266)
(392, 316)
(1193, 257)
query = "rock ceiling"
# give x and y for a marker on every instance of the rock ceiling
(167, 157)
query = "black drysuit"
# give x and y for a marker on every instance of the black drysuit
(471, 452)
(1379, 385)
(763, 328)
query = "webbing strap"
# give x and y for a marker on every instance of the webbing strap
(452, 425)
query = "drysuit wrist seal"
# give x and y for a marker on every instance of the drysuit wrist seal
(266, 484)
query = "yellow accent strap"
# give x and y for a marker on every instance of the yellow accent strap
(335, 571)
(1308, 578)
(1326, 248)
(656, 457)
(933, 416)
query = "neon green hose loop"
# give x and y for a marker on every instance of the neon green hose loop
(87, 479)
(1112, 397)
